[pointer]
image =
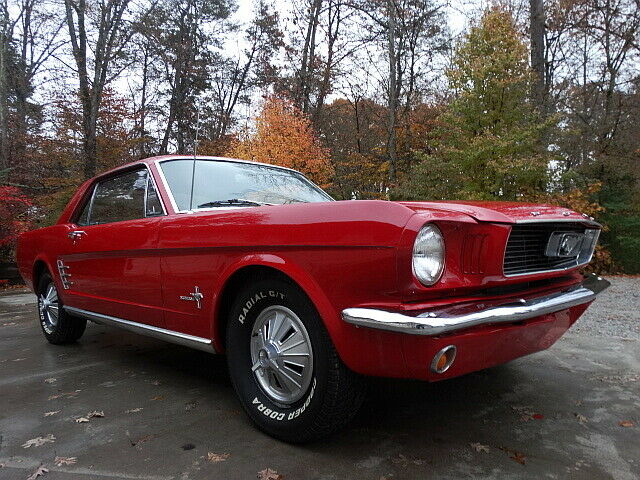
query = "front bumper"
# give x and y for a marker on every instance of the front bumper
(445, 320)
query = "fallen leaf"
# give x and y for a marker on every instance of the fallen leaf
(537, 416)
(626, 423)
(217, 457)
(96, 414)
(478, 447)
(39, 441)
(133, 410)
(60, 461)
(514, 455)
(190, 405)
(268, 474)
(67, 394)
(40, 472)
(157, 397)
(82, 420)
(581, 418)
(49, 414)
(50, 380)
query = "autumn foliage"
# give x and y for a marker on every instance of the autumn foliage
(284, 136)
(14, 219)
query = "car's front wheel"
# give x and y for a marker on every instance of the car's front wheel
(283, 366)
(57, 325)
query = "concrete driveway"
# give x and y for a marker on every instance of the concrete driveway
(556, 414)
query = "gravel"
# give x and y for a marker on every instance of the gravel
(615, 313)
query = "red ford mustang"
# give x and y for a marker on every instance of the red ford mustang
(305, 294)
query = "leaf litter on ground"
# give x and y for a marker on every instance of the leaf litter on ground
(217, 457)
(268, 474)
(89, 416)
(40, 472)
(60, 461)
(39, 441)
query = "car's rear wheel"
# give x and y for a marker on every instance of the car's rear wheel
(283, 366)
(57, 325)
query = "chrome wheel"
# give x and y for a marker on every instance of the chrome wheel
(281, 354)
(49, 306)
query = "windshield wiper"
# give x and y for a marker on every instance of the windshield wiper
(233, 202)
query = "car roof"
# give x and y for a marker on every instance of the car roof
(162, 158)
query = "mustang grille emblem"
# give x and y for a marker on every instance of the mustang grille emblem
(564, 244)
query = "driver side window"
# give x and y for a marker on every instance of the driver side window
(128, 196)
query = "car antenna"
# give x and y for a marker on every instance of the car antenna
(195, 152)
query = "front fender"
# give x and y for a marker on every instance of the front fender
(286, 267)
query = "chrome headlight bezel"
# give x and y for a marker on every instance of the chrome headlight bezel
(428, 255)
(589, 243)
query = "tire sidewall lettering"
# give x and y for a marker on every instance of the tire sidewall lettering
(257, 298)
(279, 416)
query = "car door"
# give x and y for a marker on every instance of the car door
(111, 265)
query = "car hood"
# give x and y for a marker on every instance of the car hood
(499, 212)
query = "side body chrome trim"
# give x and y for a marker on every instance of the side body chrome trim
(148, 330)
(450, 319)
(64, 275)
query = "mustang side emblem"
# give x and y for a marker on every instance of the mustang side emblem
(195, 296)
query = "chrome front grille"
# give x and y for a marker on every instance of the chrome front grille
(525, 251)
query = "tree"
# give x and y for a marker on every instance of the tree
(186, 57)
(538, 52)
(14, 218)
(284, 136)
(411, 33)
(60, 162)
(486, 146)
(111, 37)
(233, 79)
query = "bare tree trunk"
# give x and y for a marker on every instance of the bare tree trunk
(537, 31)
(333, 30)
(4, 90)
(109, 41)
(393, 94)
(308, 52)
(143, 104)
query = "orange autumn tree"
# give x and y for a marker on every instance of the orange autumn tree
(284, 136)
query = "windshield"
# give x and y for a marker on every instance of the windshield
(227, 183)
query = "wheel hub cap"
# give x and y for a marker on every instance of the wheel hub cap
(49, 306)
(281, 355)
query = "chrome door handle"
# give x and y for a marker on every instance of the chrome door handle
(76, 234)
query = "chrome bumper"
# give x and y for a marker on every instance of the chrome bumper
(449, 319)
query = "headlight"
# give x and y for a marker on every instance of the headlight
(428, 255)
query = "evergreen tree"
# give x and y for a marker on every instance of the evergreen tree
(487, 145)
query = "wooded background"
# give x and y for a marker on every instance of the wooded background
(533, 101)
